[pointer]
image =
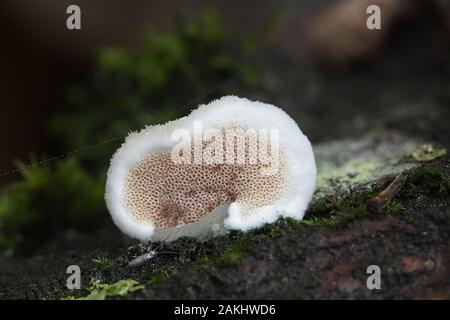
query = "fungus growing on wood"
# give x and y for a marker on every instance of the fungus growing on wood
(231, 164)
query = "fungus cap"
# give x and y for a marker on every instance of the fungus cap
(159, 188)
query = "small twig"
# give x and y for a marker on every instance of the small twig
(376, 204)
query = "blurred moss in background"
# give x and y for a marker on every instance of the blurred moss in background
(168, 76)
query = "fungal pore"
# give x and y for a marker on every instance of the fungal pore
(231, 164)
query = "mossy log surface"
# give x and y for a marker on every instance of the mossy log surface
(324, 256)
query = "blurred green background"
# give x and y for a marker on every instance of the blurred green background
(129, 89)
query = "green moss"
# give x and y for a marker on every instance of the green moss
(425, 173)
(324, 205)
(231, 256)
(235, 254)
(334, 211)
(160, 276)
(293, 223)
(101, 291)
(428, 179)
(54, 196)
(103, 263)
(273, 229)
(337, 219)
(394, 208)
(275, 233)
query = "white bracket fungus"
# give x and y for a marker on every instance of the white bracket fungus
(231, 164)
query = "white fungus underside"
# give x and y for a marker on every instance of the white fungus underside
(163, 203)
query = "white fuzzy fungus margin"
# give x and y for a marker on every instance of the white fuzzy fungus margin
(297, 160)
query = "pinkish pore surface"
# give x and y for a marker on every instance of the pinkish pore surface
(168, 194)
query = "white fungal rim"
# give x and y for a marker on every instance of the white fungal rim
(298, 160)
